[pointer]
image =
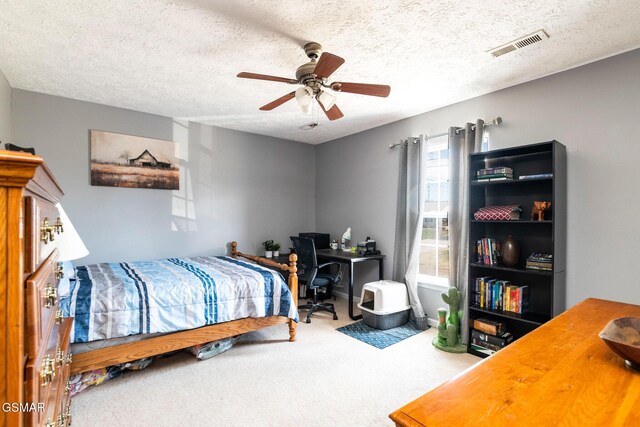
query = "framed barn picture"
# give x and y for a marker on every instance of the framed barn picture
(119, 160)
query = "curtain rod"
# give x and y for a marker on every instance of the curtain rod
(494, 122)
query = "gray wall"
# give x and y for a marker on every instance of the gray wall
(592, 110)
(5, 110)
(234, 185)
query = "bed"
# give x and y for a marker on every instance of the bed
(176, 303)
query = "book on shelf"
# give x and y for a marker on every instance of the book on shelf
(494, 171)
(540, 257)
(494, 175)
(491, 341)
(485, 345)
(545, 266)
(482, 350)
(536, 176)
(499, 295)
(488, 326)
(537, 261)
(498, 213)
(501, 178)
(488, 251)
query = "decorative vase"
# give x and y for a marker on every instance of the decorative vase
(510, 252)
(276, 254)
(268, 254)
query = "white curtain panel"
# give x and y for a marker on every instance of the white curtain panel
(462, 143)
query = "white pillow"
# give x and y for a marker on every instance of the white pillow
(68, 274)
(68, 269)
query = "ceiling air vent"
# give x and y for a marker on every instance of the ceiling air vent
(525, 41)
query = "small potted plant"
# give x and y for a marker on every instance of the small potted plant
(268, 248)
(276, 250)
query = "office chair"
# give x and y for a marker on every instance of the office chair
(308, 273)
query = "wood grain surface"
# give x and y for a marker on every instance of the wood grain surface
(122, 353)
(559, 374)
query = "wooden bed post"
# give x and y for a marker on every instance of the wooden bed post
(292, 268)
(293, 286)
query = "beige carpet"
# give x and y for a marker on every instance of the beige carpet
(325, 378)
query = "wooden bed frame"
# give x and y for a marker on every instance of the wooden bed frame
(101, 358)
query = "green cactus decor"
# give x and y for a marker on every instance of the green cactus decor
(448, 338)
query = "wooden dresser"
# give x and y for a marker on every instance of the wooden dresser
(34, 337)
(559, 374)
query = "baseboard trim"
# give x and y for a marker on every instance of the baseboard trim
(345, 296)
(432, 322)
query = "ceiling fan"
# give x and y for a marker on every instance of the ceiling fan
(313, 76)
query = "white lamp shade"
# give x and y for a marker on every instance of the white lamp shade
(304, 95)
(347, 234)
(327, 100)
(69, 243)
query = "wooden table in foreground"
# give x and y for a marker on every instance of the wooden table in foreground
(559, 374)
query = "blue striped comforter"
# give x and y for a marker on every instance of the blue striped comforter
(119, 299)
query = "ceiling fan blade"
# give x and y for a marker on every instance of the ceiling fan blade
(278, 102)
(266, 77)
(332, 113)
(362, 88)
(327, 64)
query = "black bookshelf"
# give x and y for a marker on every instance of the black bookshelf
(546, 288)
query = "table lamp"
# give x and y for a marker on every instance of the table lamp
(69, 243)
(345, 241)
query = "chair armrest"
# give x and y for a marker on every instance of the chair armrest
(328, 263)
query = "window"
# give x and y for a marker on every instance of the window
(434, 244)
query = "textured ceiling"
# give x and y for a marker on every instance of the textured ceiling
(180, 58)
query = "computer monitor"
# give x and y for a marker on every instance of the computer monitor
(321, 240)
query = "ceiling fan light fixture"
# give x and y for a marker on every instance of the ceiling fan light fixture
(326, 99)
(304, 95)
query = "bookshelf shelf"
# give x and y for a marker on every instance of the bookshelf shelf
(512, 269)
(511, 221)
(510, 181)
(530, 317)
(546, 289)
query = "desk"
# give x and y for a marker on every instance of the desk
(349, 258)
(559, 374)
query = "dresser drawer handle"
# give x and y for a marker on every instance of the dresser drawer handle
(59, 271)
(58, 226)
(59, 316)
(50, 295)
(61, 360)
(46, 231)
(48, 372)
(60, 357)
(67, 414)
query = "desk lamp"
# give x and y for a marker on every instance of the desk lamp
(345, 241)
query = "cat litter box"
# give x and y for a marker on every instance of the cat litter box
(384, 304)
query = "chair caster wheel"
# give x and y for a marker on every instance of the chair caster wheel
(308, 320)
(335, 317)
